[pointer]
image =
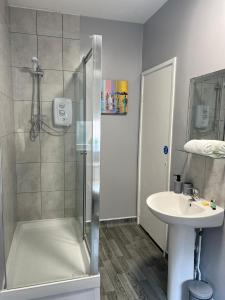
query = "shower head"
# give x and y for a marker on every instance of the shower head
(36, 66)
(34, 60)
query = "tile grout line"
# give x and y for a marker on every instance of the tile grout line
(44, 69)
(44, 35)
(44, 191)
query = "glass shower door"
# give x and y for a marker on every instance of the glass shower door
(88, 148)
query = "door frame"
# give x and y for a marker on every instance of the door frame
(171, 62)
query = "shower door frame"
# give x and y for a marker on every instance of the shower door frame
(96, 53)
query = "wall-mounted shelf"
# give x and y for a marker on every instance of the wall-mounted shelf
(208, 156)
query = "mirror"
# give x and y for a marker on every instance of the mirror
(207, 107)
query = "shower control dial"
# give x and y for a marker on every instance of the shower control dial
(62, 110)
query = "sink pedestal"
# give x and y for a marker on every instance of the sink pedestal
(180, 260)
(182, 218)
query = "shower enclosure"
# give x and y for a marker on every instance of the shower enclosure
(57, 253)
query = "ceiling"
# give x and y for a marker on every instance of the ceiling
(137, 11)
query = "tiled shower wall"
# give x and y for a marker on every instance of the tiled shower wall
(208, 175)
(45, 168)
(7, 145)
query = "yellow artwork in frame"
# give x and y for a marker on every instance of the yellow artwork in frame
(114, 97)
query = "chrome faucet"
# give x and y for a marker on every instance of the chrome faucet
(194, 195)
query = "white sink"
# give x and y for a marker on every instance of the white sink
(183, 217)
(174, 208)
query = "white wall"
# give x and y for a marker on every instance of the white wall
(122, 47)
(191, 30)
(194, 32)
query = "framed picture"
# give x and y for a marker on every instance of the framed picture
(114, 97)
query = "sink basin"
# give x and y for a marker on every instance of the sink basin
(174, 208)
(183, 217)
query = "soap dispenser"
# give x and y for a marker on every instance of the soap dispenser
(177, 184)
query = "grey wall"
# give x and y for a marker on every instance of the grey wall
(122, 44)
(46, 167)
(7, 144)
(193, 30)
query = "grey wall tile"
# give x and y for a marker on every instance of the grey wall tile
(22, 20)
(69, 85)
(7, 144)
(5, 60)
(48, 46)
(70, 176)
(78, 86)
(194, 164)
(52, 85)
(53, 204)
(46, 108)
(5, 79)
(22, 116)
(79, 174)
(49, 23)
(6, 115)
(8, 162)
(77, 116)
(71, 54)
(79, 203)
(214, 185)
(9, 204)
(22, 84)
(70, 147)
(50, 52)
(28, 177)
(5, 76)
(26, 150)
(52, 148)
(3, 12)
(10, 117)
(24, 47)
(8, 158)
(52, 176)
(8, 172)
(28, 206)
(70, 203)
(208, 175)
(71, 26)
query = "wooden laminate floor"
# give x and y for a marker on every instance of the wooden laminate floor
(131, 265)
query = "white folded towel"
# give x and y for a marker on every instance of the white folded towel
(203, 147)
(212, 148)
(219, 146)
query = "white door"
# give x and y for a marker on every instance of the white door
(155, 137)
